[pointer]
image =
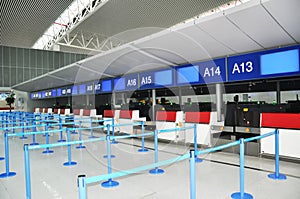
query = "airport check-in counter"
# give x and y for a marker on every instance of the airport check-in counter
(202, 120)
(127, 118)
(289, 134)
(110, 115)
(170, 120)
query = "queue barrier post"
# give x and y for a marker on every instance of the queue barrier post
(34, 130)
(27, 171)
(108, 146)
(109, 183)
(143, 149)
(277, 175)
(7, 172)
(198, 160)
(23, 137)
(60, 127)
(69, 162)
(80, 146)
(192, 174)
(91, 129)
(81, 186)
(113, 131)
(242, 194)
(156, 170)
(47, 151)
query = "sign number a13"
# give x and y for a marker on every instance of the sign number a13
(244, 67)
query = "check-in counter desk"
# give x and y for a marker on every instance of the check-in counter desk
(170, 120)
(128, 117)
(289, 134)
(110, 115)
(203, 123)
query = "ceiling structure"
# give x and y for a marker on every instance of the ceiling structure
(252, 26)
(23, 22)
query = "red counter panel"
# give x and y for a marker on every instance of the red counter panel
(197, 117)
(76, 111)
(126, 114)
(86, 112)
(169, 116)
(109, 113)
(281, 120)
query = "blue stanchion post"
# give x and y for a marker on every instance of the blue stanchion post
(113, 131)
(242, 194)
(143, 149)
(198, 160)
(192, 174)
(14, 121)
(33, 130)
(27, 171)
(72, 119)
(6, 119)
(2, 120)
(109, 183)
(156, 170)
(23, 129)
(80, 146)
(91, 129)
(70, 162)
(7, 172)
(81, 186)
(61, 131)
(108, 146)
(47, 151)
(277, 175)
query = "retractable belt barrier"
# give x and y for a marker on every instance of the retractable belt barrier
(83, 181)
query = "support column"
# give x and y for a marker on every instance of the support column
(113, 99)
(219, 102)
(180, 95)
(278, 99)
(153, 103)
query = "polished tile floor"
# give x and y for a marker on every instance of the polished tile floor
(217, 176)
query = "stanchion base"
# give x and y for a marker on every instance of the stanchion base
(237, 195)
(80, 147)
(111, 156)
(23, 138)
(114, 142)
(2, 158)
(279, 177)
(34, 143)
(156, 171)
(198, 160)
(7, 175)
(70, 163)
(74, 132)
(47, 151)
(61, 140)
(92, 136)
(109, 184)
(143, 150)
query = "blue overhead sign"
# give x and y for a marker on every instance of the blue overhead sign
(213, 71)
(265, 64)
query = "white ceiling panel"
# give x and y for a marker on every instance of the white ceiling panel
(211, 46)
(267, 32)
(287, 14)
(175, 47)
(227, 33)
(44, 82)
(67, 73)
